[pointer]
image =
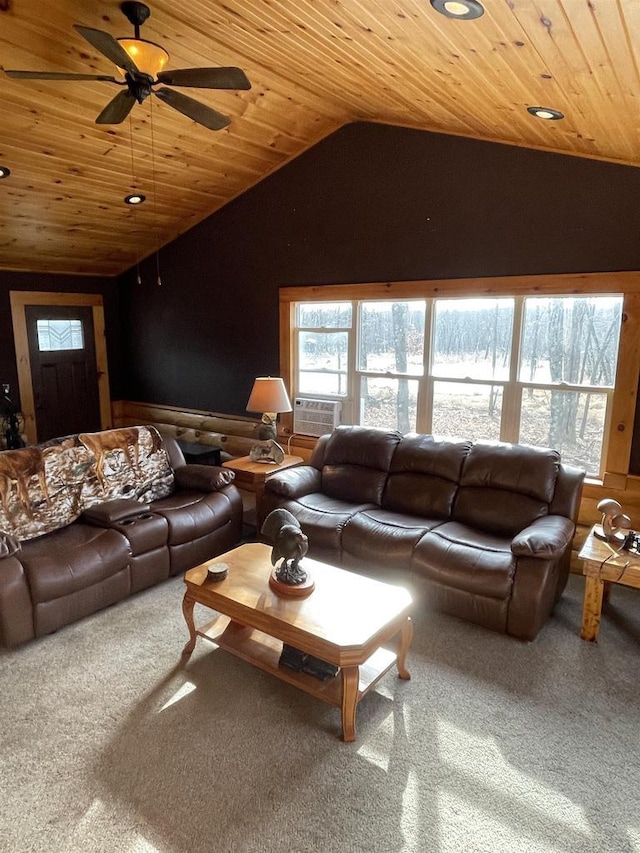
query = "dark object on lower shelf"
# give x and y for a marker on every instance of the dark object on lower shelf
(299, 661)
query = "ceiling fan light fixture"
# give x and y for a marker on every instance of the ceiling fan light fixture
(149, 58)
(545, 113)
(4, 172)
(135, 198)
(462, 10)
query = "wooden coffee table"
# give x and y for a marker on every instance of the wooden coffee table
(346, 621)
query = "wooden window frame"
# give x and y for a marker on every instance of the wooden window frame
(620, 434)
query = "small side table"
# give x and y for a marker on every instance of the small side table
(603, 566)
(252, 476)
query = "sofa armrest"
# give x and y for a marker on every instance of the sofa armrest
(108, 513)
(547, 538)
(203, 478)
(295, 482)
(9, 545)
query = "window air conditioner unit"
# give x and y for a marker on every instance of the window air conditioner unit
(315, 417)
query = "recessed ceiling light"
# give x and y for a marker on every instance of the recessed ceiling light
(546, 113)
(136, 198)
(463, 10)
(4, 172)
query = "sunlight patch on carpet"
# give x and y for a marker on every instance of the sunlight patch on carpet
(95, 823)
(379, 744)
(410, 822)
(634, 838)
(481, 767)
(187, 688)
(141, 845)
(456, 815)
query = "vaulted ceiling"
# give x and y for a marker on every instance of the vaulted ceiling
(313, 65)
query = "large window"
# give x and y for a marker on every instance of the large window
(536, 370)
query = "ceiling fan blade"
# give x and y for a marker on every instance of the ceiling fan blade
(56, 75)
(193, 109)
(117, 109)
(206, 78)
(108, 46)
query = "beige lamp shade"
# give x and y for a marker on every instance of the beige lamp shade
(269, 395)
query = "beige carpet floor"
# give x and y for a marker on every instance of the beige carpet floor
(109, 744)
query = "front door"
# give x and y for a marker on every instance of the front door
(64, 371)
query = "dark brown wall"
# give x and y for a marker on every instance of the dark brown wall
(369, 203)
(67, 283)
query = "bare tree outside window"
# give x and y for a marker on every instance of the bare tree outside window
(557, 395)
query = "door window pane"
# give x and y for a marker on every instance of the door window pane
(571, 339)
(570, 422)
(468, 411)
(54, 335)
(391, 337)
(322, 360)
(472, 338)
(389, 403)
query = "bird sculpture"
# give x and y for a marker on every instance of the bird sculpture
(289, 544)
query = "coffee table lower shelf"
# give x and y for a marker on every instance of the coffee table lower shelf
(263, 651)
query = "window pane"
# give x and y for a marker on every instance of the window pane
(392, 337)
(472, 338)
(570, 422)
(571, 339)
(322, 360)
(59, 335)
(328, 315)
(470, 411)
(389, 403)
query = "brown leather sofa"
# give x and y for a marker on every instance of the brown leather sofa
(485, 529)
(87, 520)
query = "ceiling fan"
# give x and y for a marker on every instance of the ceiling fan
(142, 62)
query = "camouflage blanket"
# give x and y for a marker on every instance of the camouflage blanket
(47, 486)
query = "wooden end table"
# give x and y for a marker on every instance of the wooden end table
(252, 476)
(348, 620)
(604, 564)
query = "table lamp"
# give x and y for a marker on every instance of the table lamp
(270, 397)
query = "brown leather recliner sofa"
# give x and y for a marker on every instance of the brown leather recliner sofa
(484, 528)
(87, 520)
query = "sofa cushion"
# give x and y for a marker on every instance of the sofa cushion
(205, 478)
(110, 512)
(455, 555)
(323, 520)
(356, 463)
(66, 561)
(424, 475)
(375, 536)
(191, 514)
(505, 487)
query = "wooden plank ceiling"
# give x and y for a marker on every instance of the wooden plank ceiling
(314, 65)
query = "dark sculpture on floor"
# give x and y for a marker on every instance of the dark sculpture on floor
(290, 544)
(11, 422)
